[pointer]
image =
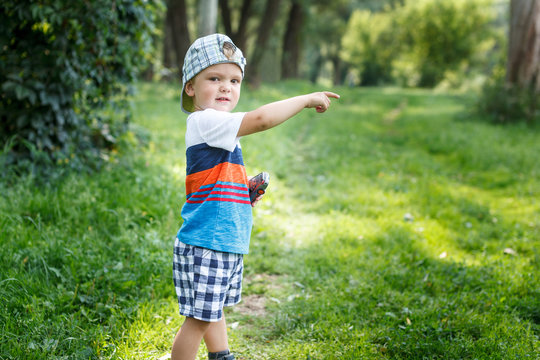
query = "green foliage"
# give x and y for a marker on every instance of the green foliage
(370, 45)
(419, 43)
(393, 228)
(439, 36)
(65, 73)
(504, 103)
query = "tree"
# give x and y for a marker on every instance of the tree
(362, 48)
(292, 41)
(326, 24)
(271, 13)
(238, 36)
(523, 67)
(207, 17)
(438, 36)
(512, 93)
(176, 40)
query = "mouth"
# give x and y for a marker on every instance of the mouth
(224, 99)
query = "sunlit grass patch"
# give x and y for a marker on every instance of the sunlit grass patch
(150, 332)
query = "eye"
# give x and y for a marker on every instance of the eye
(235, 81)
(214, 78)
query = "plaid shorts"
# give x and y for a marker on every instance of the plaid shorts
(206, 280)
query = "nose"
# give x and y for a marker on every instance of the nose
(225, 87)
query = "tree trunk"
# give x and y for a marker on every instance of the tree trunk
(177, 22)
(207, 17)
(226, 17)
(168, 48)
(337, 77)
(523, 68)
(292, 42)
(239, 37)
(316, 68)
(265, 28)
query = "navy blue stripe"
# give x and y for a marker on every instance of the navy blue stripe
(202, 157)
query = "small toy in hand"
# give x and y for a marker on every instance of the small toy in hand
(258, 185)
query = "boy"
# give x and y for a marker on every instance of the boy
(209, 248)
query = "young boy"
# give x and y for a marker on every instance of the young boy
(209, 248)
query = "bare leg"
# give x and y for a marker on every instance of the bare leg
(215, 337)
(188, 339)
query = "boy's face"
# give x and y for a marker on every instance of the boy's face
(216, 87)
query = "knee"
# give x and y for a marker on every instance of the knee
(196, 325)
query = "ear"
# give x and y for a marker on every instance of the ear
(189, 88)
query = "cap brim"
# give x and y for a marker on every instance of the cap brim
(186, 102)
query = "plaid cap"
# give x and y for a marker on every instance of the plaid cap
(205, 52)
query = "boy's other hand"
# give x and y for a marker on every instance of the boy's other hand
(257, 199)
(321, 100)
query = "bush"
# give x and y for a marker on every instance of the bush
(65, 74)
(419, 42)
(439, 36)
(504, 103)
(369, 45)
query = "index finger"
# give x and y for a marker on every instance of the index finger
(331, 94)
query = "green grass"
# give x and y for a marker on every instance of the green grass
(395, 227)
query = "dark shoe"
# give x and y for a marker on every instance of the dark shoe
(222, 355)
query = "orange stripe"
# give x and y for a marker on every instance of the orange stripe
(221, 172)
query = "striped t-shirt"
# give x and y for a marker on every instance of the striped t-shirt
(217, 212)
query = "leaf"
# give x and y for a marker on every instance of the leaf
(55, 271)
(9, 86)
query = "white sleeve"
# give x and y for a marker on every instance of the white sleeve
(219, 128)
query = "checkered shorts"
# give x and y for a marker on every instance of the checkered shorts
(206, 280)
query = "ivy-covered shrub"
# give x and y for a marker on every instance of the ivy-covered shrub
(65, 73)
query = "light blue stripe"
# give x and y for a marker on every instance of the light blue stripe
(207, 186)
(218, 225)
(219, 196)
(231, 184)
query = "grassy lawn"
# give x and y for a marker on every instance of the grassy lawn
(395, 227)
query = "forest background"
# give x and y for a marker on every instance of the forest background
(358, 42)
(98, 49)
(430, 251)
